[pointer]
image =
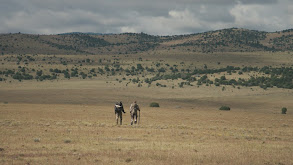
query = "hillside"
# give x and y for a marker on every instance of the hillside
(226, 40)
(57, 102)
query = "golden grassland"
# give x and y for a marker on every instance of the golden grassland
(72, 121)
(87, 134)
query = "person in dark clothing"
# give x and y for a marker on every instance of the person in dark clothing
(118, 111)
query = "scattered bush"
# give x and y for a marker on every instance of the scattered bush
(37, 139)
(39, 73)
(128, 160)
(225, 108)
(154, 104)
(67, 141)
(284, 110)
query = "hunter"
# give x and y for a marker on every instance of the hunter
(133, 112)
(118, 112)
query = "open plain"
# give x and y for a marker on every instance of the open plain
(72, 120)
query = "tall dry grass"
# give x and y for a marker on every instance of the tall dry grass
(84, 134)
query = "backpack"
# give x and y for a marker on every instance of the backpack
(135, 107)
(119, 109)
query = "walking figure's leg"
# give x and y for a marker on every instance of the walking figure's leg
(131, 118)
(121, 118)
(135, 118)
(117, 116)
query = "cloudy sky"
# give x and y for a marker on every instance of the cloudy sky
(157, 17)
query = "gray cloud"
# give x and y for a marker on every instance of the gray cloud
(164, 17)
(258, 1)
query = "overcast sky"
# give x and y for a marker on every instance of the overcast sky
(157, 17)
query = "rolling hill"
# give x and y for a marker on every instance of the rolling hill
(225, 40)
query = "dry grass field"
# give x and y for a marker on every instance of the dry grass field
(72, 121)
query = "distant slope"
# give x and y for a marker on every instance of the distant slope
(226, 40)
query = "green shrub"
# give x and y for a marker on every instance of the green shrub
(154, 104)
(225, 108)
(284, 110)
(67, 141)
(37, 139)
(128, 160)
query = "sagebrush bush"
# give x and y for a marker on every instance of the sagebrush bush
(67, 141)
(154, 104)
(37, 139)
(128, 160)
(225, 108)
(284, 110)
